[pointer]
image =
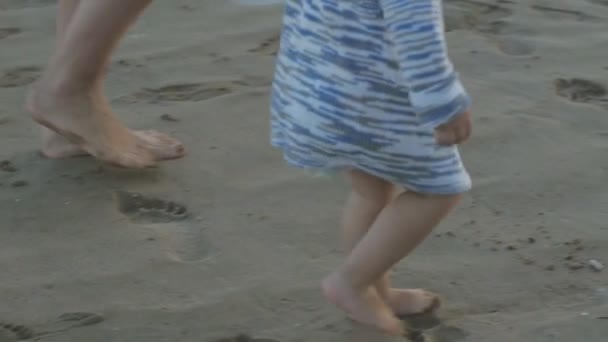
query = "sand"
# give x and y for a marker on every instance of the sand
(231, 240)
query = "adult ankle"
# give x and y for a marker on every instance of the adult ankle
(63, 84)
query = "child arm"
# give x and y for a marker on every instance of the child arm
(416, 30)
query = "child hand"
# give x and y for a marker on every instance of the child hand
(456, 131)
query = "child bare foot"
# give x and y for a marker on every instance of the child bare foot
(365, 307)
(405, 302)
(90, 126)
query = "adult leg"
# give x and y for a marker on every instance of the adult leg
(69, 98)
(53, 144)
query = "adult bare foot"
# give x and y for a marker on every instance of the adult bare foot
(365, 307)
(160, 145)
(88, 123)
(55, 146)
(405, 302)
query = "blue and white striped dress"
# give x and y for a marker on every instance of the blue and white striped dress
(362, 84)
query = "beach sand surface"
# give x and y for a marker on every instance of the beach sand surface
(243, 239)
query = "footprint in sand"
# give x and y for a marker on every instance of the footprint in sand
(182, 239)
(79, 319)
(183, 92)
(446, 333)
(143, 209)
(68, 321)
(489, 20)
(269, 46)
(561, 13)
(514, 47)
(581, 90)
(442, 333)
(195, 91)
(183, 242)
(427, 327)
(7, 166)
(14, 332)
(423, 321)
(6, 32)
(244, 338)
(475, 15)
(19, 77)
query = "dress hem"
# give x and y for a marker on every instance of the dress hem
(455, 189)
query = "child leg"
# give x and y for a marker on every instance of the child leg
(399, 227)
(367, 199)
(369, 196)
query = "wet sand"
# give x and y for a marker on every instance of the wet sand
(231, 240)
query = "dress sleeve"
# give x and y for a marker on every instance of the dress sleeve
(416, 30)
